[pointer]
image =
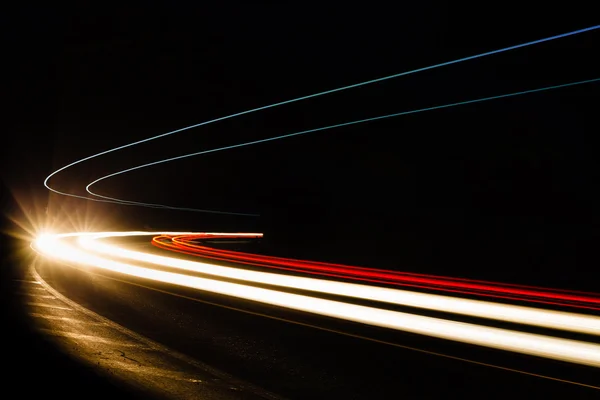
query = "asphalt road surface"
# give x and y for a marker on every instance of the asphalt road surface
(74, 332)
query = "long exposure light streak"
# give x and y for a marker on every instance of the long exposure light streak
(289, 135)
(64, 247)
(476, 308)
(572, 299)
(364, 83)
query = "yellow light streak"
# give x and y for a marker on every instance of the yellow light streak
(60, 246)
(567, 321)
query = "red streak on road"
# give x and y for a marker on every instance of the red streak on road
(187, 244)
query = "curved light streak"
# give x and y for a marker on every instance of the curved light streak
(289, 135)
(364, 83)
(564, 298)
(505, 339)
(476, 308)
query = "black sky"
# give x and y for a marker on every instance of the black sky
(504, 189)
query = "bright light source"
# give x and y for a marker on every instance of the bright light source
(44, 241)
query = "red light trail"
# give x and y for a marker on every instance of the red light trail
(187, 244)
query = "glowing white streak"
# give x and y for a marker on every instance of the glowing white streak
(476, 308)
(504, 339)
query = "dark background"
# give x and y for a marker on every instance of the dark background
(502, 190)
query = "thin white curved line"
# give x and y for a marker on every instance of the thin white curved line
(480, 55)
(107, 198)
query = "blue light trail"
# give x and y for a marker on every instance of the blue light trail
(364, 83)
(310, 131)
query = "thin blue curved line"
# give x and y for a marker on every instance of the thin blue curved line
(319, 129)
(304, 98)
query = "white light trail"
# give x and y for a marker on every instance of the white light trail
(63, 247)
(476, 308)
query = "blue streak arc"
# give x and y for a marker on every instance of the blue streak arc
(316, 130)
(368, 82)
